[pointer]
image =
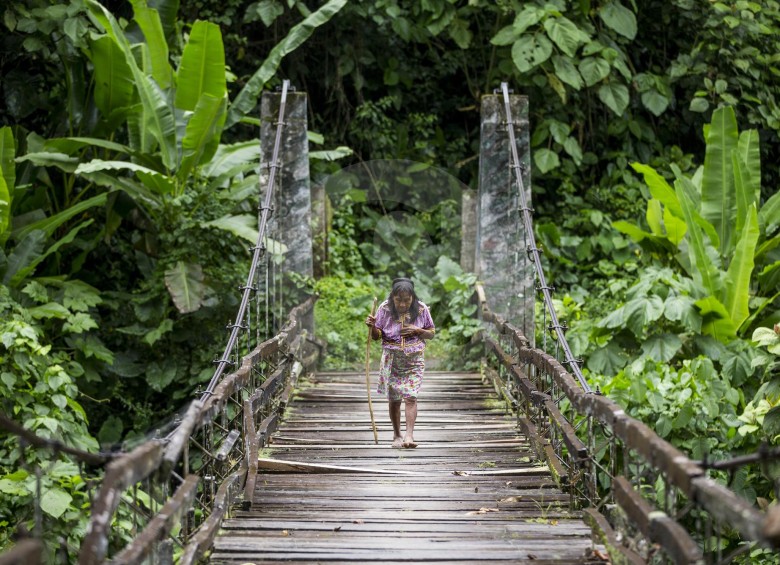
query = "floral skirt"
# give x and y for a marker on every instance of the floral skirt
(400, 374)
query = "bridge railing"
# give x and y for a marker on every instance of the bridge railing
(643, 497)
(180, 488)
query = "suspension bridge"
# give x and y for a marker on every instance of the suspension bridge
(520, 462)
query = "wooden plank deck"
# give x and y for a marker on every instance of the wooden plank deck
(471, 492)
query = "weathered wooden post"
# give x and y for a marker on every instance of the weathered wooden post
(501, 260)
(290, 222)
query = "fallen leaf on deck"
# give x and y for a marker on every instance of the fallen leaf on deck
(357, 521)
(285, 533)
(531, 556)
(600, 555)
(553, 522)
(511, 499)
(460, 473)
(337, 528)
(476, 489)
(481, 511)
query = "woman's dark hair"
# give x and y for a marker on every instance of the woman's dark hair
(402, 285)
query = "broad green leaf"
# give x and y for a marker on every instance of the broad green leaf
(593, 70)
(675, 227)
(185, 285)
(156, 334)
(114, 88)
(572, 147)
(157, 114)
(765, 337)
(607, 360)
(265, 10)
(247, 98)
(703, 270)
(567, 72)
(331, 154)
(168, 11)
(749, 150)
(239, 156)
(244, 226)
(505, 36)
(5, 210)
(716, 319)
(202, 68)
(55, 502)
(565, 34)
(71, 145)
(659, 188)
(65, 240)
(7, 155)
(78, 323)
(654, 217)
(51, 159)
(614, 96)
(640, 312)
(529, 16)
(662, 348)
(546, 160)
(137, 191)
(529, 51)
(619, 18)
(202, 135)
(771, 423)
(158, 182)
(111, 431)
(737, 281)
(769, 216)
(48, 225)
(742, 191)
(149, 21)
(25, 252)
(679, 308)
(654, 101)
(718, 203)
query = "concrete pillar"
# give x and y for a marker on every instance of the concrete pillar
(468, 221)
(290, 222)
(501, 260)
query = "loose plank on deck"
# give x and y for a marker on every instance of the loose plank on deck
(471, 492)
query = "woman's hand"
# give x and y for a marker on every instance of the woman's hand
(371, 321)
(409, 331)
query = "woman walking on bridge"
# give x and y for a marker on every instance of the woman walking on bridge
(403, 323)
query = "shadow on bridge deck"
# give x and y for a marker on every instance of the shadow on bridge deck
(471, 492)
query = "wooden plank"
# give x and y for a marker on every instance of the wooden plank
(603, 532)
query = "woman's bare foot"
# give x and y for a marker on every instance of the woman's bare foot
(409, 442)
(398, 442)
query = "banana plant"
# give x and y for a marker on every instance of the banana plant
(717, 229)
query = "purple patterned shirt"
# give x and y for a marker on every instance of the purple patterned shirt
(391, 329)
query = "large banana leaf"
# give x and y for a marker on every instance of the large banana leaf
(718, 204)
(168, 10)
(247, 98)
(659, 188)
(749, 151)
(202, 68)
(149, 21)
(114, 90)
(745, 198)
(71, 145)
(7, 154)
(48, 225)
(185, 285)
(703, 270)
(158, 116)
(244, 155)
(5, 209)
(244, 225)
(716, 320)
(769, 216)
(137, 191)
(33, 261)
(201, 138)
(154, 181)
(737, 282)
(26, 251)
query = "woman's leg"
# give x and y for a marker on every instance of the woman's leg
(410, 409)
(395, 418)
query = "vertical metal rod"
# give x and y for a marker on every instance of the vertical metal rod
(274, 165)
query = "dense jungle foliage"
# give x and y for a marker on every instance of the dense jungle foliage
(129, 168)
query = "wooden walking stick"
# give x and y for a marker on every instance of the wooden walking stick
(368, 379)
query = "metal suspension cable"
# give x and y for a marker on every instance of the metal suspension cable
(258, 249)
(534, 251)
